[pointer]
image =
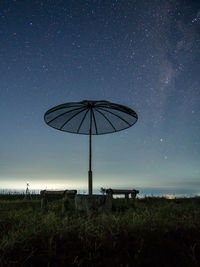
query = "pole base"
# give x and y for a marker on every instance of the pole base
(90, 183)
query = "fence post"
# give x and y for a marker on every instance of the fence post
(43, 202)
(109, 194)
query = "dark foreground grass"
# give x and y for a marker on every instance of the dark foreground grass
(157, 232)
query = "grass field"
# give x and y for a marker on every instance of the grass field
(157, 232)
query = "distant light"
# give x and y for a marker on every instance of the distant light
(170, 197)
(31, 23)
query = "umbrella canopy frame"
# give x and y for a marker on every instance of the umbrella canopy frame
(58, 118)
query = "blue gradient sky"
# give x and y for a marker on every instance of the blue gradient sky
(143, 54)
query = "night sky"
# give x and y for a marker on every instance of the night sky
(142, 54)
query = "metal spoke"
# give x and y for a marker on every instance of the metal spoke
(70, 119)
(82, 121)
(60, 115)
(94, 121)
(115, 115)
(106, 119)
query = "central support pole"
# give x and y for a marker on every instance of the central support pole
(90, 167)
(90, 158)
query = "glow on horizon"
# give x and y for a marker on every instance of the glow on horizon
(170, 196)
(78, 183)
(42, 185)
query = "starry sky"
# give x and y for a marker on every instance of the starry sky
(142, 54)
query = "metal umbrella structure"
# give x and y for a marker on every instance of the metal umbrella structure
(90, 117)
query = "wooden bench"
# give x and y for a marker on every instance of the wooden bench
(126, 192)
(65, 195)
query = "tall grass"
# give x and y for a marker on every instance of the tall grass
(157, 232)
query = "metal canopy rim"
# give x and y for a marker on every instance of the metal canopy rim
(101, 111)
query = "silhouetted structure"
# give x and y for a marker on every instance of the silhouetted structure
(90, 118)
(27, 194)
(125, 192)
(65, 195)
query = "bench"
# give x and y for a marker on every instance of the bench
(126, 192)
(65, 195)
